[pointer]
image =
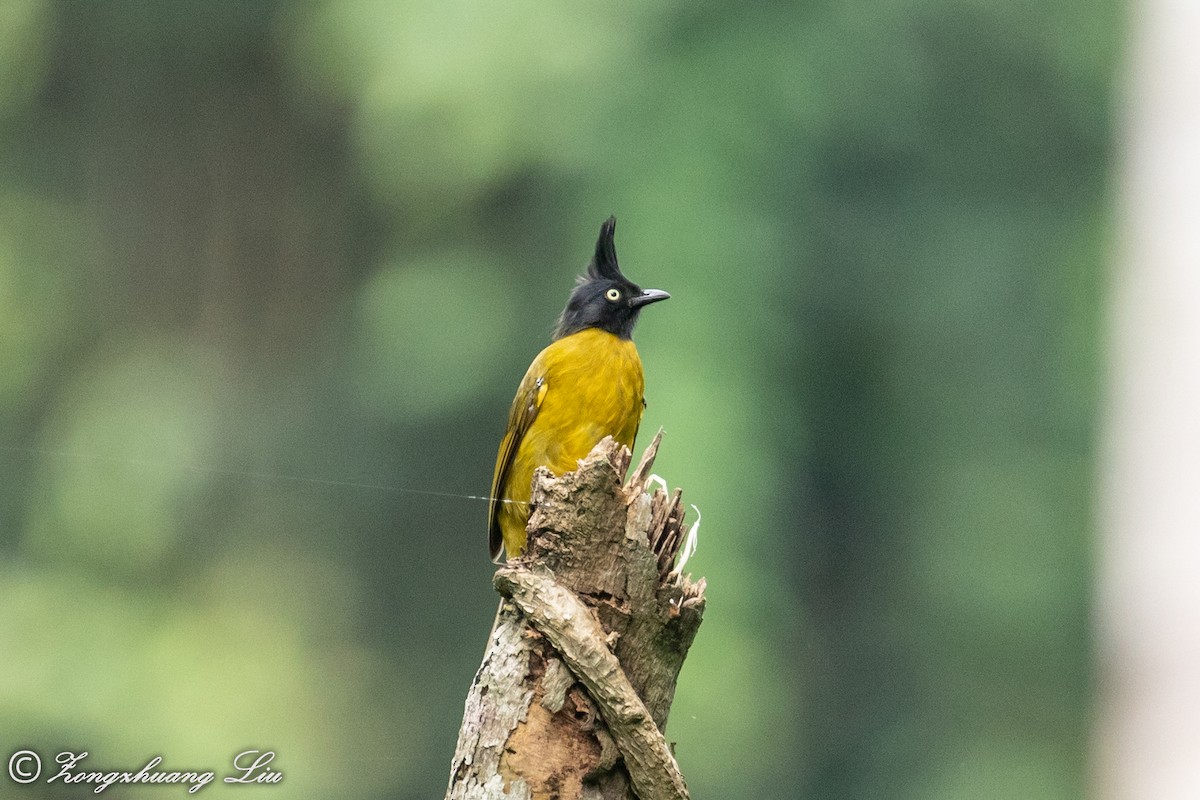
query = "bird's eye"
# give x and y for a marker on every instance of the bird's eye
(613, 295)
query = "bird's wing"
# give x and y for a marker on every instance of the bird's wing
(524, 411)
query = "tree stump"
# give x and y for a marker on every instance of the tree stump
(574, 690)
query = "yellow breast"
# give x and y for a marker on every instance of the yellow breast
(593, 388)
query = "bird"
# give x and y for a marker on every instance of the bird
(585, 385)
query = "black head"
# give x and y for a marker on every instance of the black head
(604, 298)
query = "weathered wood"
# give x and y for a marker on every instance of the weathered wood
(571, 703)
(576, 634)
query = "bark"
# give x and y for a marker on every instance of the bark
(574, 691)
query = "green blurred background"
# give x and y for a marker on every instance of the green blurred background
(267, 269)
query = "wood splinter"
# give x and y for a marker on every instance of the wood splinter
(594, 591)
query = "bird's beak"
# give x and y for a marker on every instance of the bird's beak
(647, 297)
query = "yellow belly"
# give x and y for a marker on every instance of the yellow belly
(594, 389)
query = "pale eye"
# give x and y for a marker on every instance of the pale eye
(613, 295)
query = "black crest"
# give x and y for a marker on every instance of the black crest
(604, 262)
(604, 298)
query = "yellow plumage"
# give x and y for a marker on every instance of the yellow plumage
(587, 384)
(581, 388)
